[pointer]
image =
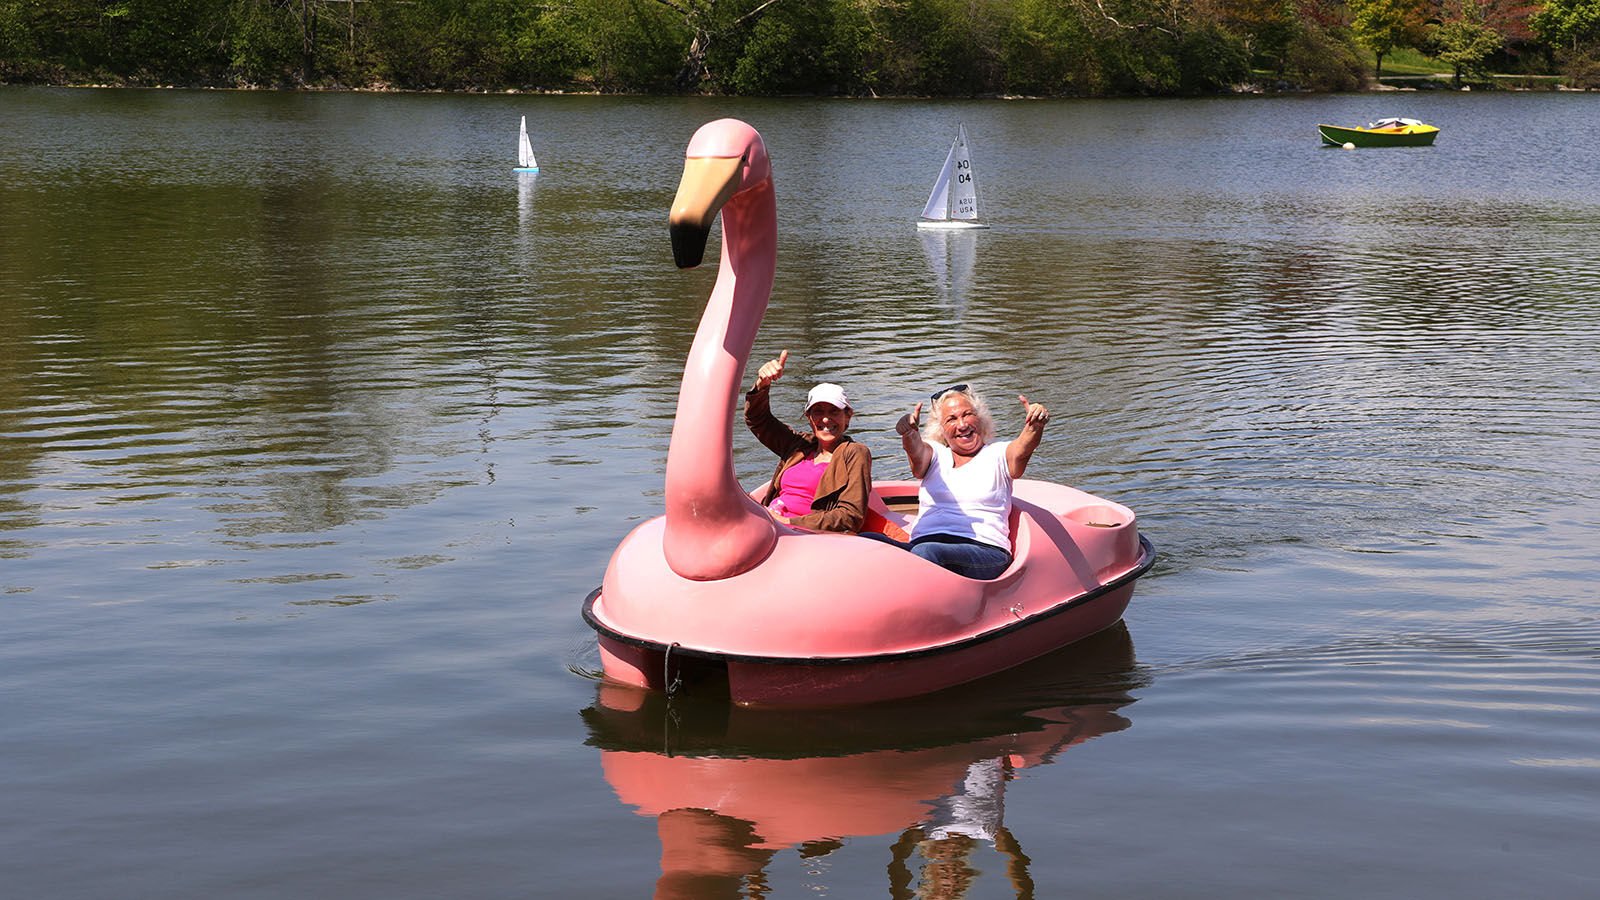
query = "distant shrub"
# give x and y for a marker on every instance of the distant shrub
(1325, 60)
(1581, 68)
(1210, 60)
(1048, 50)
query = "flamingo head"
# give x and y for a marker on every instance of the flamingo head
(725, 158)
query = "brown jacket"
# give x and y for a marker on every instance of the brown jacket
(841, 501)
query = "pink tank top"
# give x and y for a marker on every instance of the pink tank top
(797, 487)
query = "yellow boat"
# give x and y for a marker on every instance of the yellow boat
(1393, 132)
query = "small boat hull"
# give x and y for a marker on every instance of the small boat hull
(950, 224)
(533, 169)
(1402, 136)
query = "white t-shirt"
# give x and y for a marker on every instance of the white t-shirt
(973, 501)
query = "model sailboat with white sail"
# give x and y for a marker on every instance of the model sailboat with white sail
(954, 201)
(525, 160)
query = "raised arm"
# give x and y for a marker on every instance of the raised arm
(1021, 448)
(918, 453)
(758, 417)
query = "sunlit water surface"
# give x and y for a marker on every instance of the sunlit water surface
(317, 423)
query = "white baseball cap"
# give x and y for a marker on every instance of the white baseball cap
(827, 392)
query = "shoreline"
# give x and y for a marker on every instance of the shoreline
(1432, 82)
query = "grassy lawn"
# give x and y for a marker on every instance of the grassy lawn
(1408, 61)
(1408, 67)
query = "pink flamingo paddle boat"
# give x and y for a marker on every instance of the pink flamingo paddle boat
(706, 594)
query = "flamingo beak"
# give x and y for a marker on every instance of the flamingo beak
(708, 182)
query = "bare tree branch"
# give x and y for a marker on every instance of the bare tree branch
(1143, 26)
(749, 15)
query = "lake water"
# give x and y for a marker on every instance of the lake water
(317, 424)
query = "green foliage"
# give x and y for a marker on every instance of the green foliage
(1325, 59)
(775, 61)
(632, 45)
(19, 53)
(1568, 23)
(1382, 25)
(1463, 40)
(1582, 69)
(850, 46)
(1048, 49)
(1266, 27)
(855, 47)
(260, 47)
(52, 37)
(1210, 59)
(945, 47)
(1140, 63)
(545, 46)
(1573, 27)
(787, 50)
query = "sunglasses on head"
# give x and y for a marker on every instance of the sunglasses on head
(958, 388)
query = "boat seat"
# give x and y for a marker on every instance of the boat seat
(1020, 537)
(880, 518)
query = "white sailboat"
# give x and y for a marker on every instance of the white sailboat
(525, 160)
(954, 201)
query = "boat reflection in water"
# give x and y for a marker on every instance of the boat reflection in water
(730, 787)
(952, 257)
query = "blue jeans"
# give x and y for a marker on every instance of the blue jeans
(961, 555)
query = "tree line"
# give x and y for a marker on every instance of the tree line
(778, 47)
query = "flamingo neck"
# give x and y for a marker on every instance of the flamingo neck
(713, 529)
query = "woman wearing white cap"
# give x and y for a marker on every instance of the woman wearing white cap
(823, 476)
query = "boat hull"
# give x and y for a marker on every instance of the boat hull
(1409, 136)
(949, 224)
(776, 681)
(897, 626)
